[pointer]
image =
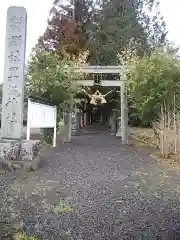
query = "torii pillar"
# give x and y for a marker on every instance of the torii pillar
(124, 113)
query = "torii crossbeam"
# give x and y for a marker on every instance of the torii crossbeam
(110, 83)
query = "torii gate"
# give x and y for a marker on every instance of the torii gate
(110, 83)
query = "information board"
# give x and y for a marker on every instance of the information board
(41, 116)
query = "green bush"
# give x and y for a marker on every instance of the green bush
(52, 78)
(153, 81)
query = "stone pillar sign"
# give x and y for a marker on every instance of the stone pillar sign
(15, 152)
(13, 84)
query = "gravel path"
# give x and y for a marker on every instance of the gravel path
(95, 188)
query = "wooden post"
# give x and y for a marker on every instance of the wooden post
(55, 129)
(81, 118)
(69, 133)
(85, 115)
(114, 116)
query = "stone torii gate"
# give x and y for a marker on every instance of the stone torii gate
(110, 83)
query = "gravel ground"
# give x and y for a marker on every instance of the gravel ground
(95, 188)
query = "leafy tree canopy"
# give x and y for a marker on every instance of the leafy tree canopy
(153, 82)
(103, 27)
(52, 77)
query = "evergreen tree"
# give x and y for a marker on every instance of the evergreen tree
(122, 20)
(66, 32)
(103, 27)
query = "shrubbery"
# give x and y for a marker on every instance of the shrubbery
(52, 77)
(152, 82)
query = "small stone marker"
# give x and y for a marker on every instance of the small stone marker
(13, 85)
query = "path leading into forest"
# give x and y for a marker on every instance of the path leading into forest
(96, 188)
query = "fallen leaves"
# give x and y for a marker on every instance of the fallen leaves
(22, 236)
(62, 207)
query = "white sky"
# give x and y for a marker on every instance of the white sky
(170, 9)
(37, 11)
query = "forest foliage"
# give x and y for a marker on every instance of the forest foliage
(95, 32)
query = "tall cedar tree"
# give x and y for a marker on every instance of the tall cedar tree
(66, 28)
(102, 26)
(122, 20)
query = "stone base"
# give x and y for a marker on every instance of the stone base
(118, 134)
(112, 132)
(73, 132)
(63, 135)
(19, 154)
